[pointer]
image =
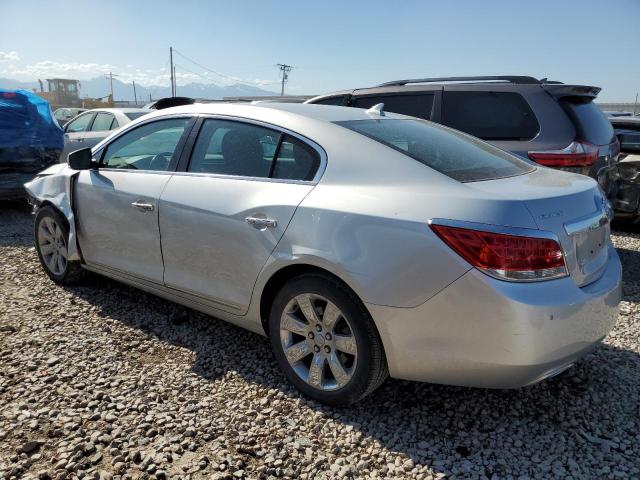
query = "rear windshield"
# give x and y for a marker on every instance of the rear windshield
(490, 115)
(591, 124)
(134, 115)
(452, 153)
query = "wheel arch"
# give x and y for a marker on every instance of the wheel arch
(281, 276)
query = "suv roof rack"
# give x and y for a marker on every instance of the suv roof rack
(506, 78)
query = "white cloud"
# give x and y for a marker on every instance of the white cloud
(9, 56)
(50, 69)
(143, 77)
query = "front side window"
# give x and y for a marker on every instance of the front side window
(452, 153)
(102, 123)
(490, 115)
(420, 106)
(80, 124)
(148, 147)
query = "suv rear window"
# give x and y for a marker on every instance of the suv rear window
(591, 124)
(490, 115)
(419, 106)
(452, 153)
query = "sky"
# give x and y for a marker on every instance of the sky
(331, 45)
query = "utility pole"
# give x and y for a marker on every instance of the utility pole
(635, 104)
(135, 97)
(173, 78)
(285, 69)
(175, 83)
(110, 76)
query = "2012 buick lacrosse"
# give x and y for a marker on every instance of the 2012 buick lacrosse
(363, 244)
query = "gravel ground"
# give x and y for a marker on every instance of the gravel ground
(104, 381)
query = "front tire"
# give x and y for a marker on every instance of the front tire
(325, 340)
(51, 233)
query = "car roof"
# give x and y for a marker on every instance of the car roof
(325, 113)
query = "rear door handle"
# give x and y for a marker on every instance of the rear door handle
(261, 223)
(146, 207)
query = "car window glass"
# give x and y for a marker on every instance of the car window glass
(114, 124)
(490, 115)
(80, 124)
(148, 147)
(234, 148)
(590, 122)
(459, 156)
(296, 160)
(420, 106)
(340, 101)
(102, 123)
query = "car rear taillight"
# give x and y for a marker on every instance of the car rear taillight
(507, 257)
(576, 154)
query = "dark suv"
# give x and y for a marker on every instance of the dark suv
(551, 123)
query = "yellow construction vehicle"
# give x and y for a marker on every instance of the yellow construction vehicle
(62, 92)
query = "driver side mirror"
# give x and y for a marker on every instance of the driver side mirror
(80, 159)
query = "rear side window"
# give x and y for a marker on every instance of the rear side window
(591, 124)
(227, 147)
(419, 106)
(452, 153)
(233, 148)
(490, 115)
(102, 123)
(296, 160)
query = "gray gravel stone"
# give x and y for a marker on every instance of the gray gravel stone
(124, 385)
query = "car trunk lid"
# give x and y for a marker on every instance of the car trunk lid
(571, 207)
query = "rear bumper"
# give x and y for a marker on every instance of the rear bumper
(483, 332)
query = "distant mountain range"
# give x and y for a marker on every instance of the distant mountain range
(99, 87)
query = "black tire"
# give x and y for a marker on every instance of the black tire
(370, 370)
(73, 271)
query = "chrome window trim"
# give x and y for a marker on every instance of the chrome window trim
(99, 149)
(507, 230)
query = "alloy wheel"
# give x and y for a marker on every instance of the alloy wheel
(318, 342)
(52, 245)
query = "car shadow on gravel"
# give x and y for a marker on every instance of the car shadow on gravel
(16, 226)
(584, 415)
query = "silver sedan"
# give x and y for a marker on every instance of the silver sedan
(363, 244)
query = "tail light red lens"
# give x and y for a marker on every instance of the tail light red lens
(507, 257)
(576, 154)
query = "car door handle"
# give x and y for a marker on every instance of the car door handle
(147, 207)
(261, 223)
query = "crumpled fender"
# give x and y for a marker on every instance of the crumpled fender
(53, 185)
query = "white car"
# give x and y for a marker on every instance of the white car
(91, 127)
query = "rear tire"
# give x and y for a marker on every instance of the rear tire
(51, 232)
(325, 340)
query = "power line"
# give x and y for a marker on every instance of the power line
(285, 69)
(228, 77)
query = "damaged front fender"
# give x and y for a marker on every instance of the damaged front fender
(55, 186)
